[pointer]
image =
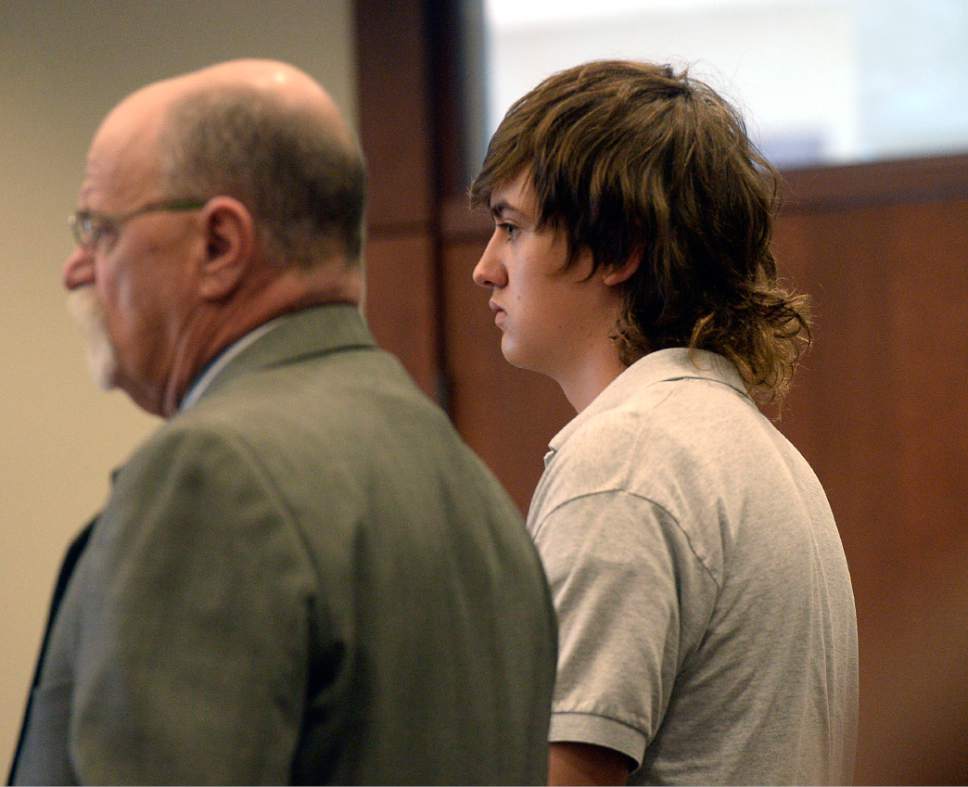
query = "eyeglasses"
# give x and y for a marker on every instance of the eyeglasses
(90, 226)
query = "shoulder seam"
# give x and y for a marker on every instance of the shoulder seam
(644, 498)
(237, 443)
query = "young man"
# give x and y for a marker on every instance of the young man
(707, 631)
(295, 579)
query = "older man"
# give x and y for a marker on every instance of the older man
(304, 575)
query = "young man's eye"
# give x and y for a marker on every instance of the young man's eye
(508, 229)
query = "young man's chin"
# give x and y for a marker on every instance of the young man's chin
(518, 358)
(101, 358)
(512, 353)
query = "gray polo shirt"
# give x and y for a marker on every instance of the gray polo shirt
(707, 622)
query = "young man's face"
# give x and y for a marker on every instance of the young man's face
(551, 317)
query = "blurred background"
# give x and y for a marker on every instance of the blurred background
(863, 105)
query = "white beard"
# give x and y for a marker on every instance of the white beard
(86, 309)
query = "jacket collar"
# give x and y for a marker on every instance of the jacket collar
(314, 331)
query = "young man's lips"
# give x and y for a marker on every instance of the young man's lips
(499, 312)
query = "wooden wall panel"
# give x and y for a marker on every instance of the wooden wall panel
(396, 131)
(395, 114)
(879, 410)
(401, 303)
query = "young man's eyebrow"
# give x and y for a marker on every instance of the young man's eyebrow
(498, 209)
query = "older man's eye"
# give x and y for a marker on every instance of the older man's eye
(101, 229)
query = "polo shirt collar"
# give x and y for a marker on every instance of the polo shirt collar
(676, 363)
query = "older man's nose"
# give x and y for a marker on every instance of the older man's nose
(78, 269)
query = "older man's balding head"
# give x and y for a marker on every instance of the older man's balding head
(267, 134)
(260, 130)
(213, 202)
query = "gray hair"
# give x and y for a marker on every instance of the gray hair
(304, 186)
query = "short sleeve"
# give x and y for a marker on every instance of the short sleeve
(631, 599)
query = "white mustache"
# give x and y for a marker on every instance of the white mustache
(87, 311)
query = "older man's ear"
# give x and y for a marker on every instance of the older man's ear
(229, 247)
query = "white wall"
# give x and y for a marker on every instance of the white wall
(62, 66)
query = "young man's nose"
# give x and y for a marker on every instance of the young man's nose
(489, 272)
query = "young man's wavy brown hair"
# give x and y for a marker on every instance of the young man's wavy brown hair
(635, 159)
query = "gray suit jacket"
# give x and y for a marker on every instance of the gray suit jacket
(305, 577)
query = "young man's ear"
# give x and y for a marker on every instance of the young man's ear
(622, 273)
(229, 240)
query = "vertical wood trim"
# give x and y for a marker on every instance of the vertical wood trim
(395, 115)
(398, 134)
